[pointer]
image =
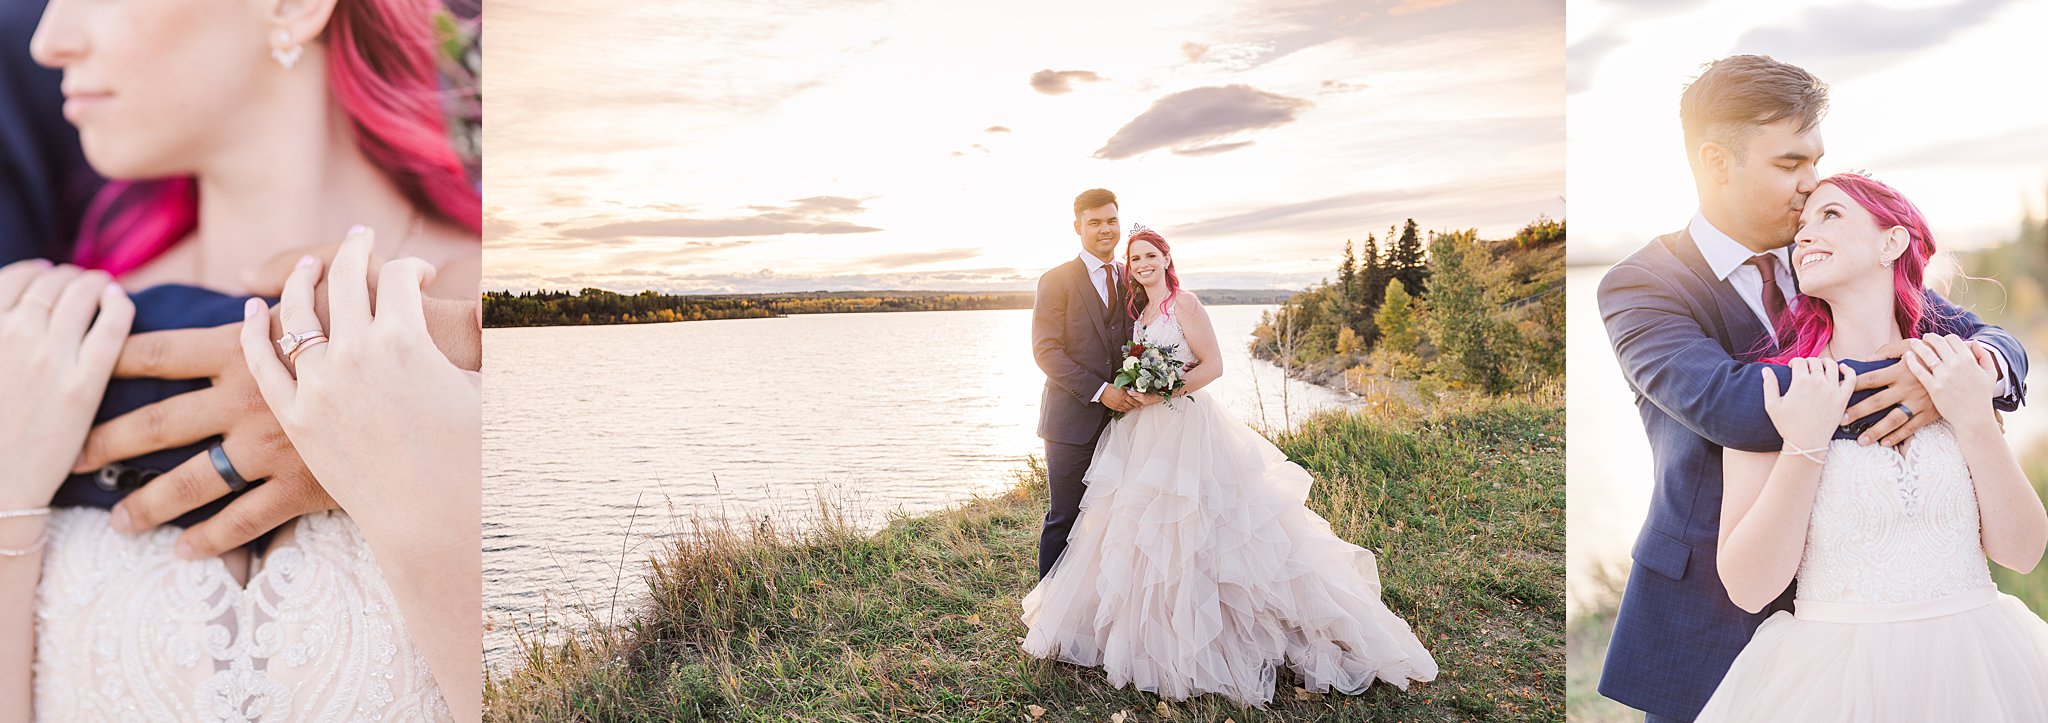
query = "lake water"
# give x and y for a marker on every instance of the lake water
(1607, 456)
(595, 428)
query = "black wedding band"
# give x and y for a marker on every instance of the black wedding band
(226, 468)
(1906, 409)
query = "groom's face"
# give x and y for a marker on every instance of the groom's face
(1098, 230)
(1768, 183)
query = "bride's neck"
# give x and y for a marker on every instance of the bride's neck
(1861, 325)
(298, 179)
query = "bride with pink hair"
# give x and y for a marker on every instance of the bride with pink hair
(234, 131)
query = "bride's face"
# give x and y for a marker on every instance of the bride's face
(154, 85)
(1147, 264)
(1840, 245)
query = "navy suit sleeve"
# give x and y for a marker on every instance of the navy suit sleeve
(1667, 356)
(1049, 342)
(1951, 319)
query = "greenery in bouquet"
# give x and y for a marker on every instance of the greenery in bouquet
(1148, 369)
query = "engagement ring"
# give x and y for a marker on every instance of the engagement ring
(291, 342)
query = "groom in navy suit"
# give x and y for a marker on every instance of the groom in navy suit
(1688, 315)
(1078, 327)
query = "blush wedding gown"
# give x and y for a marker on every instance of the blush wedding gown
(1896, 617)
(1196, 568)
(127, 631)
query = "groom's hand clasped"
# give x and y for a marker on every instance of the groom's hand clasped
(1897, 385)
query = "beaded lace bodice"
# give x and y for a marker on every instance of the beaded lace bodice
(127, 631)
(1162, 332)
(1893, 528)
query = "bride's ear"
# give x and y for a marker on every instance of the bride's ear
(1896, 240)
(303, 20)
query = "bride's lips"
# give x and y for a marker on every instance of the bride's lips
(79, 102)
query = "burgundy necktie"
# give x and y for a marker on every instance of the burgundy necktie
(1774, 300)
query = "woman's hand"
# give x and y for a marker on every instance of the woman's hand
(55, 358)
(1805, 415)
(394, 432)
(1959, 380)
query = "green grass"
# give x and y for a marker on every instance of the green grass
(919, 621)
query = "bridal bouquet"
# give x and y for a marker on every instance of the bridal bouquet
(1148, 369)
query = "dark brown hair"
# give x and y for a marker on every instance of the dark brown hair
(1738, 94)
(1091, 198)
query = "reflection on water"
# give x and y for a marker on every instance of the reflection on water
(595, 428)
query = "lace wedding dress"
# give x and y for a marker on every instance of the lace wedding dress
(127, 631)
(1196, 568)
(1896, 617)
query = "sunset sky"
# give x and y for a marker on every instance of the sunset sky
(774, 146)
(1941, 99)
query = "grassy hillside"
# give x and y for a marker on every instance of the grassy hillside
(749, 621)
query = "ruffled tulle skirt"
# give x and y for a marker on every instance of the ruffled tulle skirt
(1985, 662)
(1196, 568)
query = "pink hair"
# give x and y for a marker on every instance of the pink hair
(381, 72)
(1806, 329)
(1172, 279)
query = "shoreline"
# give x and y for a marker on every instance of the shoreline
(919, 619)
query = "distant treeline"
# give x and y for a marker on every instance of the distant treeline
(1453, 309)
(598, 306)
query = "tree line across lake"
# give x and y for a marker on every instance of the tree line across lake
(599, 306)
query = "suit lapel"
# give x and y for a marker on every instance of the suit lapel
(1742, 334)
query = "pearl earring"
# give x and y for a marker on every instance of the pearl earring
(285, 50)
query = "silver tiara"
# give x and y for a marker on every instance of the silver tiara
(1138, 228)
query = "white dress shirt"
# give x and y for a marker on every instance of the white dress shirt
(1729, 260)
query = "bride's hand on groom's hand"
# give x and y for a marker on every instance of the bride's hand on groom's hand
(232, 408)
(1895, 387)
(1959, 380)
(390, 427)
(1806, 414)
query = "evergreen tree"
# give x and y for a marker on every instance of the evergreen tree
(1460, 319)
(1405, 259)
(1372, 285)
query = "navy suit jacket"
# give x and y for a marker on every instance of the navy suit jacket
(1076, 342)
(1688, 346)
(45, 183)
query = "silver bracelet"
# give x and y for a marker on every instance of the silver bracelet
(30, 550)
(1808, 453)
(42, 538)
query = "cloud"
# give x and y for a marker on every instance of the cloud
(1842, 41)
(1211, 149)
(1055, 82)
(1332, 87)
(802, 216)
(1416, 6)
(996, 129)
(1191, 119)
(1991, 151)
(919, 258)
(1194, 51)
(1582, 59)
(495, 227)
(1503, 202)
